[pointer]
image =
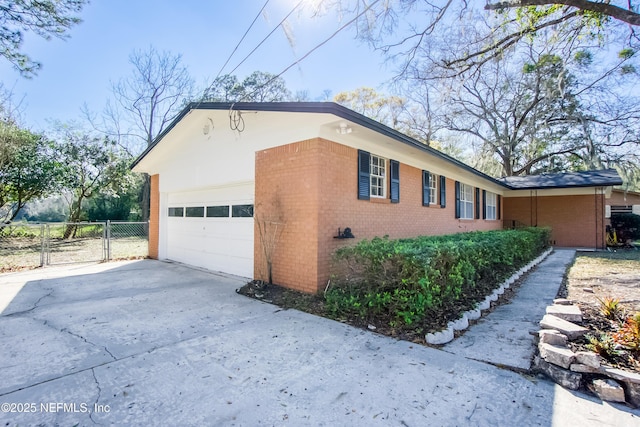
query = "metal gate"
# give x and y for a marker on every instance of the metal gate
(33, 245)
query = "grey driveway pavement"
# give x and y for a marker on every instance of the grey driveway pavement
(153, 343)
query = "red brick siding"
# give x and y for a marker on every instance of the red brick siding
(154, 216)
(575, 221)
(315, 185)
(619, 198)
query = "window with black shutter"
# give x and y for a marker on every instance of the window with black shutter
(364, 181)
(484, 204)
(394, 165)
(457, 199)
(426, 188)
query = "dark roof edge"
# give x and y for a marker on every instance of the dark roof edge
(357, 118)
(566, 186)
(315, 107)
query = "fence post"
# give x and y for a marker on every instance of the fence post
(108, 232)
(41, 245)
(47, 249)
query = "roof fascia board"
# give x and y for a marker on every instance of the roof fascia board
(354, 117)
(316, 107)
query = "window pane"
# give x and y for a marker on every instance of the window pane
(377, 174)
(176, 211)
(242, 211)
(466, 201)
(195, 212)
(433, 188)
(491, 205)
(218, 211)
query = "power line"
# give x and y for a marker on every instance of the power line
(255, 48)
(268, 35)
(241, 40)
(325, 41)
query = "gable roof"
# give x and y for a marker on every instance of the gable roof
(577, 179)
(595, 178)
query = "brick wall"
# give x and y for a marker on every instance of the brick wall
(575, 221)
(619, 198)
(311, 186)
(154, 216)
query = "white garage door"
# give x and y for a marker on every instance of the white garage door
(212, 229)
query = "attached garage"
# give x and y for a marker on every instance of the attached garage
(212, 228)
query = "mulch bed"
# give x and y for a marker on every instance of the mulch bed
(315, 304)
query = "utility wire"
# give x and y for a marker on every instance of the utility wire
(325, 41)
(268, 35)
(254, 49)
(241, 40)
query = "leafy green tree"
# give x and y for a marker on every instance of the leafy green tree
(259, 86)
(120, 200)
(45, 18)
(93, 165)
(28, 169)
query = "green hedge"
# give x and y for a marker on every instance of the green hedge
(407, 281)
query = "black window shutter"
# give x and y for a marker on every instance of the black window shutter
(457, 199)
(395, 181)
(426, 179)
(484, 204)
(498, 200)
(443, 191)
(477, 203)
(364, 179)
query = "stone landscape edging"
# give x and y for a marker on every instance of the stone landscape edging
(446, 335)
(558, 362)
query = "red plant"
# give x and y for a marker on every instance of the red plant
(629, 335)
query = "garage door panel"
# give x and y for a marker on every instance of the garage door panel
(219, 244)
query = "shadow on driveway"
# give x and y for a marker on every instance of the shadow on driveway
(154, 343)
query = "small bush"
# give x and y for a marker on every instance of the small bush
(629, 335)
(610, 308)
(407, 280)
(604, 345)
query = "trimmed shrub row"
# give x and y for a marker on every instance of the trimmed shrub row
(427, 279)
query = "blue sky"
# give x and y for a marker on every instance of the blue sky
(79, 70)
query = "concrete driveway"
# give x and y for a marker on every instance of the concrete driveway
(153, 343)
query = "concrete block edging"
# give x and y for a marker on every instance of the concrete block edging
(446, 335)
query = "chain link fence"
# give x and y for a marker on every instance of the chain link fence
(126, 240)
(33, 245)
(21, 245)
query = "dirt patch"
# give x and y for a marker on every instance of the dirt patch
(598, 277)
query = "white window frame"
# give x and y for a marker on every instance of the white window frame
(466, 201)
(491, 205)
(433, 189)
(377, 177)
